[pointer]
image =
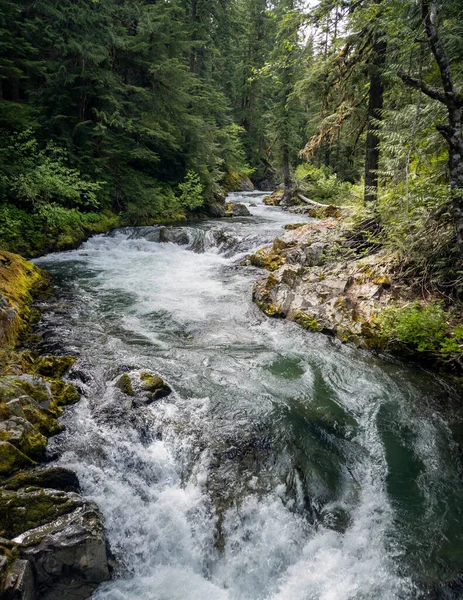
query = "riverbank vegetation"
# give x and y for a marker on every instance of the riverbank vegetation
(135, 113)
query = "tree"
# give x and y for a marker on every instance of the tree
(453, 102)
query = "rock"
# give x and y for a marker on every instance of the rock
(328, 290)
(68, 555)
(245, 185)
(124, 383)
(274, 199)
(19, 582)
(12, 459)
(156, 386)
(174, 236)
(24, 436)
(57, 478)
(237, 209)
(28, 508)
(54, 366)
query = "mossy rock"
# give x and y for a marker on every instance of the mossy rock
(12, 459)
(20, 433)
(325, 212)
(124, 383)
(26, 509)
(19, 281)
(267, 258)
(293, 226)
(57, 478)
(63, 393)
(306, 322)
(54, 366)
(155, 385)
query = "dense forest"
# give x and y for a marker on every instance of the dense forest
(118, 112)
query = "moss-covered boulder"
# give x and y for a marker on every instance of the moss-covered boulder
(26, 509)
(124, 383)
(19, 280)
(12, 459)
(154, 385)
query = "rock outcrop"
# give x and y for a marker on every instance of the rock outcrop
(52, 542)
(318, 283)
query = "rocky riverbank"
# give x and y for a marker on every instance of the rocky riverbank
(319, 279)
(52, 542)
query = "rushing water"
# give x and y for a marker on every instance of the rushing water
(284, 466)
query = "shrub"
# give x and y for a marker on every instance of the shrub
(191, 191)
(422, 326)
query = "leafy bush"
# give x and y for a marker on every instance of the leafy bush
(423, 326)
(191, 191)
(42, 176)
(321, 184)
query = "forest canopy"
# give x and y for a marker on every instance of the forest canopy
(116, 112)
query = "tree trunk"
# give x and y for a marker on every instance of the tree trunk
(453, 101)
(455, 141)
(375, 105)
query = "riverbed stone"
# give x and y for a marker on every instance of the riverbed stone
(68, 555)
(19, 582)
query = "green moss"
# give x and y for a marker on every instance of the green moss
(63, 393)
(12, 459)
(54, 366)
(306, 321)
(21, 511)
(292, 226)
(155, 385)
(125, 385)
(267, 258)
(19, 280)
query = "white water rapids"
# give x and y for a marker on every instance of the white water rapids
(283, 467)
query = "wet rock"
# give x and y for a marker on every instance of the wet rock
(156, 386)
(68, 555)
(24, 436)
(174, 236)
(237, 209)
(124, 383)
(57, 478)
(19, 582)
(274, 199)
(12, 459)
(28, 508)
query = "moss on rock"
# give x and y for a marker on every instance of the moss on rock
(124, 383)
(12, 459)
(155, 385)
(25, 509)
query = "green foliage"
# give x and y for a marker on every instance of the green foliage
(425, 327)
(321, 184)
(191, 191)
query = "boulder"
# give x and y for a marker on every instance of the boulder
(155, 386)
(68, 555)
(245, 185)
(19, 582)
(174, 236)
(237, 209)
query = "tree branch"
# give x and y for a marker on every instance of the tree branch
(429, 14)
(417, 84)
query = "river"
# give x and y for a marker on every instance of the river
(285, 466)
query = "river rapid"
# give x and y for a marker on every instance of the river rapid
(284, 466)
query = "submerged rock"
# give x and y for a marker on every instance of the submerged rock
(174, 236)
